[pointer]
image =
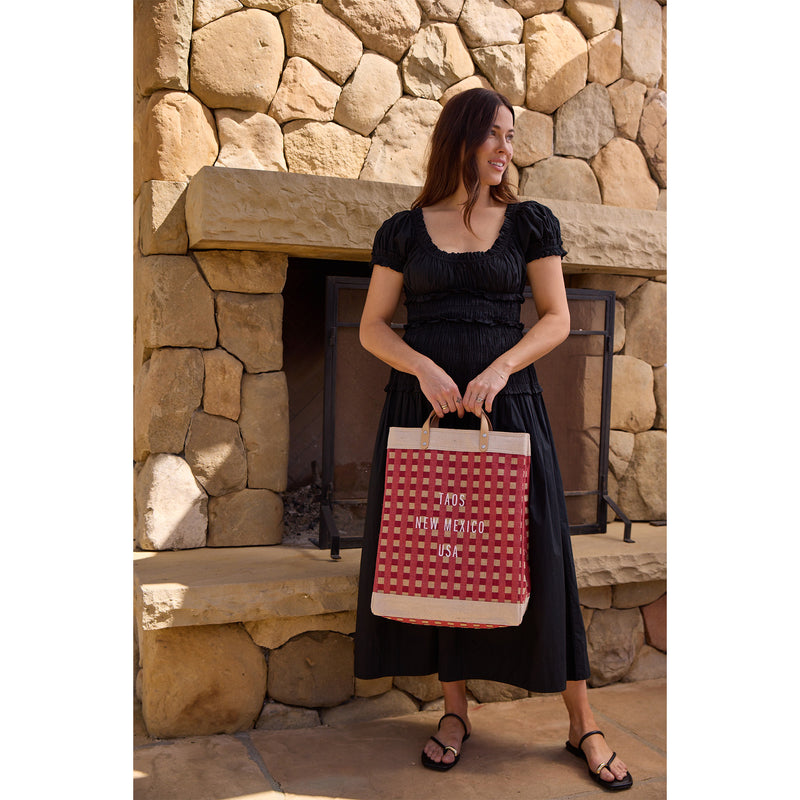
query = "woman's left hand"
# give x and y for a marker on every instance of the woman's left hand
(482, 390)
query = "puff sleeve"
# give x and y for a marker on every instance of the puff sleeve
(391, 244)
(539, 231)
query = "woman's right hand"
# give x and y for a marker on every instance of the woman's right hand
(440, 389)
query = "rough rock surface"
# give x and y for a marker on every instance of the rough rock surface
(305, 92)
(276, 631)
(436, 60)
(557, 60)
(632, 595)
(660, 391)
(627, 99)
(648, 665)
(624, 177)
(249, 140)
(223, 384)
(313, 33)
(494, 691)
(384, 27)
(324, 148)
(646, 323)
(655, 623)
(201, 680)
(172, 509)
(279, 717)
(504, 65)
(247, 518)
(375, 86)
(206, 11)
(585, 123)
(215, 452)
(236, 61)
(162, 223)
(633, 405)
(592, 16)
(163, 33)
(395, 155)
(264, 422)
(653, 134)
(533, 136)
(560, 178)
(614, 638)
(312, 670)
(643, 490)
(605, 57)
(169, 387)
(250, 327)
(423, 687)
(489, 22)
(641, 40)
(245, 271)
(442, 10)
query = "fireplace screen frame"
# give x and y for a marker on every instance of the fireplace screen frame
(330, 536)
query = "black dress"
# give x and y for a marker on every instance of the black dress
(463, 312)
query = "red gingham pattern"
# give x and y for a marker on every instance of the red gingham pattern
(487, 522)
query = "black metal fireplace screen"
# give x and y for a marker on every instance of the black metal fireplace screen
(576, 378)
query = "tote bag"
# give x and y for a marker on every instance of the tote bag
(453, 547)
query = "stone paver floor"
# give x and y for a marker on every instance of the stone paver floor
(516, 751)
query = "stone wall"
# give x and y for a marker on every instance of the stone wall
(352, 90)
(207, 679)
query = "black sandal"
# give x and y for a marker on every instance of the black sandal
(615, 785)
(428, 762)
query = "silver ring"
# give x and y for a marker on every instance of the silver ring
(479, 399)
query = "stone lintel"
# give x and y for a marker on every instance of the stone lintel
(314, 216)
(209, 586)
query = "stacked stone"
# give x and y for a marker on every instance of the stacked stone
(211, 422)
(352, 90)
(215, 678)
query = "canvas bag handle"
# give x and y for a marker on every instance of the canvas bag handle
(483, 433)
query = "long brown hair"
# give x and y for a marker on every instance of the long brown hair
(462, 127)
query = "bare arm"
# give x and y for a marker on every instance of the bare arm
(552, 328)
(377, 336)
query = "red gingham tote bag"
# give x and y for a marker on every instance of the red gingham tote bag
(453, 547)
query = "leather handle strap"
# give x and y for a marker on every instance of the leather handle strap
(483, 433)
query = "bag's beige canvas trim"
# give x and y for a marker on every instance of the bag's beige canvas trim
(448, 439)
(468, 612)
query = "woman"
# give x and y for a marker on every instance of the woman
(463, 253)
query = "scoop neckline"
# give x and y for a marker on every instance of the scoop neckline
(469, 254)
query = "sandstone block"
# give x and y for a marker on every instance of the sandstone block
(392, 704)
(223, 384)
(614, 638)
(169, 387)
(529, 8)
(595, 597)
(249, 140)
(473, 82)
(276, 631)
(264, 423)
(247, 518)
(276, 6)
(206, 11)
(374, 687)
(533, 136)
(605, 57)
(646, 323)
(494, 691)
(662, 206)
(641, 40)
(557, 60)
(423, 687)
(489, 22)
(585, 123)
(561, 179)
(251, 328)
(655, 623)
(387, 28)
(633, 595)
(442, 10)
(660, 391)
(278, 717)
(305, 92)
(243, 271)
(643, 489)
(619, 326)
(172, 509)
(162, 222)
(592, 16)
(178, 138)
(395, 154)
(504, 65)
(624, 177)
(162, 33)
(313, 33)
(627, 99)
(633, 405)
(375, 86)
(653, 134)
(436, 60)
(662, 84)
(648, 665)
(324, 148)
(215, 452)
(237, 61)
(312, 670)
(620, 451)
(201, 680)
(173, 306)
